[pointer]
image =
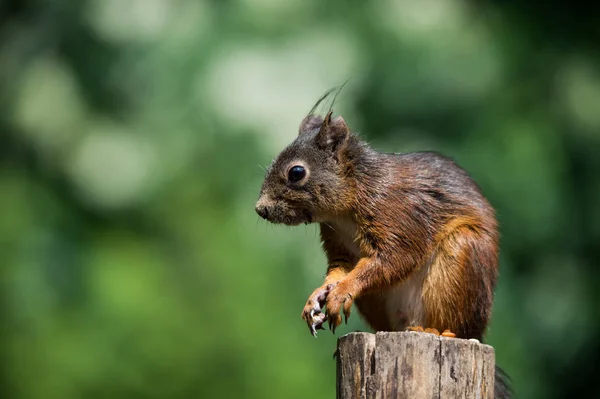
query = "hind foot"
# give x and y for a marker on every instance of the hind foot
(420, 329)
(447, 333)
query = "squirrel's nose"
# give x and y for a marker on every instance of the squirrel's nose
(262, 211)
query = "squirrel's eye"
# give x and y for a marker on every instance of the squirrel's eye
(296, 174)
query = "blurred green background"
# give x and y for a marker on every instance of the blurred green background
(133, 136)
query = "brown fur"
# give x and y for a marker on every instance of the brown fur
(408, 237)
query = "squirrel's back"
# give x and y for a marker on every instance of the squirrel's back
(417, 195)
(435, 175)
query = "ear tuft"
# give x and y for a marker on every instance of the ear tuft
(310, 122)
(333, 133)
(327, 120)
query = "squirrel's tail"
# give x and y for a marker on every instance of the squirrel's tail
(502, 387)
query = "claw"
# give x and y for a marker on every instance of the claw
(347, 308)
(315, 317)
(334, 321)
(449, 334)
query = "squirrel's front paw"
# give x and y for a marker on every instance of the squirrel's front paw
(312, 312)
(340, 296)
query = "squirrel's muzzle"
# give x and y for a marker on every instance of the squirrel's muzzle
(281, 211)
(262, 211)
(262, 207)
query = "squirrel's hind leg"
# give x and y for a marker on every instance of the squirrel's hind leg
(458, 289)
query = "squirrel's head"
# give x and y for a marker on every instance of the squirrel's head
(307, 182)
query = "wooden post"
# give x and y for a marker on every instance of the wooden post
(415, 365)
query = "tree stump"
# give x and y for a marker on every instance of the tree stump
(415, 365)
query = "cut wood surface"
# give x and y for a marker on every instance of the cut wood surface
(413, 365)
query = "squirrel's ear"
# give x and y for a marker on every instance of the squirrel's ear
(333, 133)
(310, 122)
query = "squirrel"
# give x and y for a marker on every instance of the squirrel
(409, 238)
